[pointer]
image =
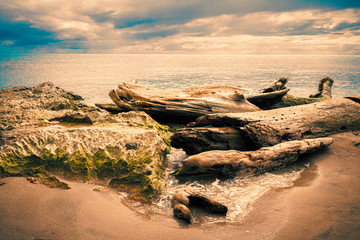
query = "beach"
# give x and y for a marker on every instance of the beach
(322, 204)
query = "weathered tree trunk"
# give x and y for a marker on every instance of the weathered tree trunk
(277, 85)
(267, 128)
(201, 139)
(181, 106)
(232, 162)
(264, 100)
(324, 88)
(184, 106)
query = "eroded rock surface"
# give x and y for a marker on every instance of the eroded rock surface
(95, 146)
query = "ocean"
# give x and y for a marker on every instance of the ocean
(94, 75)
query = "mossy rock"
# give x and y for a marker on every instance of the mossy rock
(140, 186)
(291, 100)
(53, 182)
(108, 147)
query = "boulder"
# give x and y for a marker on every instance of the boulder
(183, 212)
(128, 147)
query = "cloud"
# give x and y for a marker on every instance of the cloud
(300, 22)
(202, 26)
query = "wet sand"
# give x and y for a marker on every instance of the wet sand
(324, 203)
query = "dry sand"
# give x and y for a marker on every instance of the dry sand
(324, 203)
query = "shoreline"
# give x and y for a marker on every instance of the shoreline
(323, 203)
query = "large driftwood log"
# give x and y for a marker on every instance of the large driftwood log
(231, 162)
(173, 105)
(267, 128)
(181, 106)
(201, 139)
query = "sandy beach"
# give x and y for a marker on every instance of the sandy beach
(322, 204)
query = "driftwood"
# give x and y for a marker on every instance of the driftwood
(187, 197)
(324, 89)
(277, 85)
(267, 128)
(184, 106)
(231, 162)
(200, 139)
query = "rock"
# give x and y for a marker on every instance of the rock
(53, 182)
(129, 146)
(100, 189)
(73, 118)
(231, 162)
(180, 197)
(186, 198)
(2, 183)
(183, 213)
(208, 204)
(33, 180)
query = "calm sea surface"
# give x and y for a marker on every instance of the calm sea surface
(94, 75)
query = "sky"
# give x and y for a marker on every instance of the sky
(180, 26)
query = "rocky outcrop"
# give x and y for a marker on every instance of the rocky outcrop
(186, 198)
(268, 128)
(83, 142)
(240, 163)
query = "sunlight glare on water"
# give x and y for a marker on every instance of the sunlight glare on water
(94, 75)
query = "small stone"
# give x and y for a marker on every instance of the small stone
(100, 189)
(33, 180)
(2, 183)
(183, 213)
(188, 197)
(180, 197)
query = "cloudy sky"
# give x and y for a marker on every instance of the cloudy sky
(180, 26)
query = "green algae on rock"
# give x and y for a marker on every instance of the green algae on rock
(130, 147)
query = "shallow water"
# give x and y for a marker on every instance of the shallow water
(238, 194)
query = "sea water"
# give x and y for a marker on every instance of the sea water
(93, 76)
